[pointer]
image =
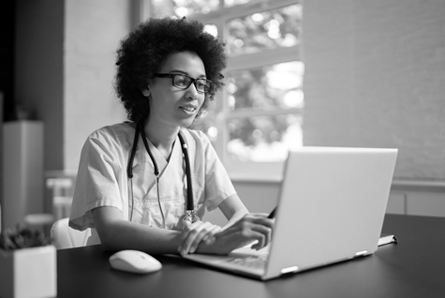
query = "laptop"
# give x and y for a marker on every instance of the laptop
(330, 209)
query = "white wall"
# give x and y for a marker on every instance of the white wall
(93, 30)
(375, 73)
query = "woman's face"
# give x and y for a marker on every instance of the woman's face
(169, 105)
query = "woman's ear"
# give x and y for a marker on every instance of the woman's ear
(146, 92)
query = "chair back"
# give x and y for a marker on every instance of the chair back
(65, 237)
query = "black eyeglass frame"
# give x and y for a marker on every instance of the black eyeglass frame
(192, 81)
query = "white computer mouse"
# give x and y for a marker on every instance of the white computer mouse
(134, 261)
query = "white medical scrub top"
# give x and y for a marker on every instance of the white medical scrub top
(102, 179)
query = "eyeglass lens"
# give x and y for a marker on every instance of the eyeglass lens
(183, 81)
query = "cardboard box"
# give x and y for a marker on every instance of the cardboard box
(28, 272)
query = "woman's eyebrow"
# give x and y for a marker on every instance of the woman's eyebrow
(177, 70)
(186, 73)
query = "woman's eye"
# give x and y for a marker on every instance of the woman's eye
(203, 85)
(181, 80)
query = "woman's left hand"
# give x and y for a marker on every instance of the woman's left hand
(194, 233)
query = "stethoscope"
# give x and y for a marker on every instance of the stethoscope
(190, 214)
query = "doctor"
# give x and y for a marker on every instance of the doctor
(145, 184)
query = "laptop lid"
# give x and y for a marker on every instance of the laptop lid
(331, 207)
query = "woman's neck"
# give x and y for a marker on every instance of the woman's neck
(160, 135)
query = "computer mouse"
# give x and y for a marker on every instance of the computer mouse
(134, 261)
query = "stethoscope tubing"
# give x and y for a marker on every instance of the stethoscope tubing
(139, 130)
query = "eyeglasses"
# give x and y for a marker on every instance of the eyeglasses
(183, 81)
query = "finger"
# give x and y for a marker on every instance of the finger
(188, 226)
(193, 237)
(260, 230)
(256, 240)
(266, 236)
(260, 214)
(187, 229)
(250, 221)
(268, 230)
(257, 217)
(205, 234)
(264, 221)
(209, 238)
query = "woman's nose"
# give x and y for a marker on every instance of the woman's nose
(192, 91)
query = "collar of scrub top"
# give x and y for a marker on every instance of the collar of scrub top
(190, 214)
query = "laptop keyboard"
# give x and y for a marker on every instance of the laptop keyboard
(250, 261)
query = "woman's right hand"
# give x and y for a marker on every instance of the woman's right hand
(195, 233)
(252, 227)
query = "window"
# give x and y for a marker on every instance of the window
(258, 116)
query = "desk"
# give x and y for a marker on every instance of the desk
(415, 267)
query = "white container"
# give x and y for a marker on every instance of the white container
(28, 272)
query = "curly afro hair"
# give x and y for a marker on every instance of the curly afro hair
(145, 49)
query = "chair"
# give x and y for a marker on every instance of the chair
(61, 200)
(65, 237)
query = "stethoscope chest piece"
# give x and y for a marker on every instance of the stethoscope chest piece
(190, 216)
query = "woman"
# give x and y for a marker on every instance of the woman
(134, 182)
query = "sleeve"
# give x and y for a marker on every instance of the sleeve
(98, 181)
(218, 185)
